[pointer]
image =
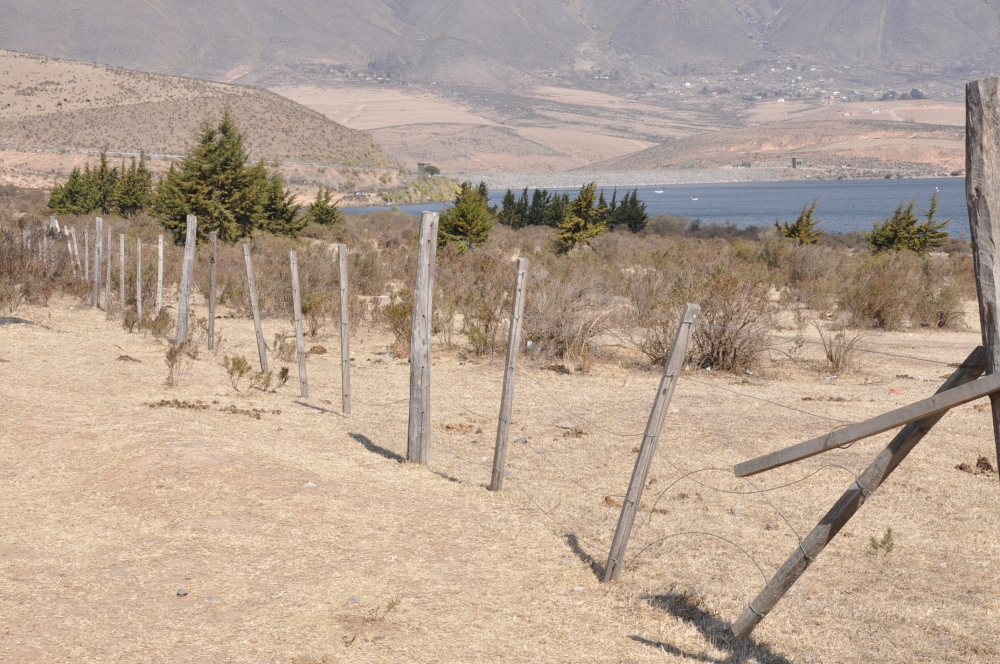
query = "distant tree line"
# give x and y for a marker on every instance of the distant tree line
(577, 220)
(215, 181)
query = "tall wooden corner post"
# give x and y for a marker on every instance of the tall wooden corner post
(650, 439)
(418, 438)
(982, 191)
(187, 274)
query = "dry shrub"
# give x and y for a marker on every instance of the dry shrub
(10, 297)
(840, 346)
(736, 313)
(477, 288)
(882, 290)
(160, 325)
(399, 317)
(317, 307)
(285, 347)
(237, 367)
(174, 359)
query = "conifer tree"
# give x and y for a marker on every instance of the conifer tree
(133, 191)
(322, 211)
(214, 183)
(803, 230)
(280, 212)
(534, 214)
(76, 196)
(508, 215)
(582, 220)
(469, 220)
(903, 231)
(630, 212)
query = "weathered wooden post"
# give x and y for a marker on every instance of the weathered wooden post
(650, 439)
(107, 281)
(76, 250)
(69, 251)
(98, 234)
(138, 280)
(418, 438)
(851, 501)
(121, 274)
(345, 332)
(300, 341)
(252, 287)
(159, 275)
(509, 376)
(187, 274)
(982, 191)
(86, 254)
(211, 292)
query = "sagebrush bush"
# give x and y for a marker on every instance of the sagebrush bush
(736, 312)
(882, 290)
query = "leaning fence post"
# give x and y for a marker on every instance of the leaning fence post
(121, 275)
(187, 270)
(850, 502)
(509, 376)
(86, 254)
(252, 287)
(418, 439)
(650, 439)
(300, 342)
(138, 280)
(211, 292)
(159, 275)
(982, 191)
(345, 332)
(98, 235)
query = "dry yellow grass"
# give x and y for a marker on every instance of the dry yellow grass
(274, 526)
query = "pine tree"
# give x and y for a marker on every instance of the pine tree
(902, 231)
(77, 196)
(280, 211)
(105, 182)
(803, 230)
(133, 191)
(534, 214)
(581, 221)
(555, 210)
(631, 212)
(469, 220)
(508, 215)
(214, 183)
(322, 211)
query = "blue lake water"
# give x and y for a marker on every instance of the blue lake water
(844, 205)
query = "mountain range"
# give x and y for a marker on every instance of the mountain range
(501, 42)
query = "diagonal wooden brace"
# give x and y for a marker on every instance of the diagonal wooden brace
(852, 500)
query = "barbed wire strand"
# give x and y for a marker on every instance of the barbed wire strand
(635, 557)
(475, 248)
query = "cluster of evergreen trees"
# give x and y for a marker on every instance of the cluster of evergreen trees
(902, 231)
(215, 181)
(548, 209)
(124, 191)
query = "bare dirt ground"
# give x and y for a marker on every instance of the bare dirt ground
(300, 536)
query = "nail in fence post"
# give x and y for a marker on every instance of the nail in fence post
(107, 281)
(852, 500)
(86, 254)
(300, 341)
(159, 275)
(252, 287)
(982, 181)
(345, 332)
(187, 272)
(121, 274)
(98, 235)
(650, 439)
(509, 376)
(211, 293)
(418, 439)
(138, 280)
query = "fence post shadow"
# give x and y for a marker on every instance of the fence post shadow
(715, 630)
(376, 449)
(595, 566)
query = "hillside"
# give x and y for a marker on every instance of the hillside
(855, 147)
(500, 42)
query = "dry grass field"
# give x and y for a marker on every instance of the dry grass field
(299, 535)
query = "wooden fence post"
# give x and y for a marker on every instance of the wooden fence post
(300, 342)
(98, 235)
(138, 280)
(650, 439)
(76, 250)
(852, 500)
(121, 274)
(107, 281)
(211, 292)
(509, 376)
(187, 273)
(69, 250)
(159, 275)
(418, 438)
(982, 191)
(345, 332)
(252, 287)
(86, 254)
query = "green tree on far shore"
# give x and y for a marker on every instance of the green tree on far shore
(469, 219)
(803, 230)
(903, 231)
